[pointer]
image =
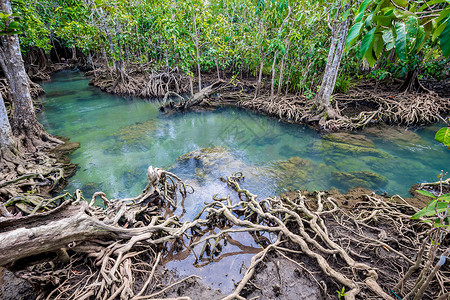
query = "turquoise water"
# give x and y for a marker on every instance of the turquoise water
(120, 137)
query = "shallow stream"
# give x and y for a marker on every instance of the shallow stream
(120, 137)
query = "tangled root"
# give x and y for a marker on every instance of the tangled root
(124, 249)
(287, 108)
(374, 250)
(139, 82)
(367, 249)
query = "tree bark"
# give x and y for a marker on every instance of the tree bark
(6, 136)
(339, 36)
(280, 79)
(261, 66)
(74, 53)
(30, 134)
(197, 47)
(273, 73)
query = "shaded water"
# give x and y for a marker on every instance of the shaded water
(120, 137)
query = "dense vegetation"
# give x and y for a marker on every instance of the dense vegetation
(307, 49)
(287, 41)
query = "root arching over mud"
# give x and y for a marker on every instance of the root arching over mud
(113, 249)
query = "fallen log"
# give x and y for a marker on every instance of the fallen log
(116, 236)
(194, 100)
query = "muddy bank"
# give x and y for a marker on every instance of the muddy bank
(365, 104)
(359, 227)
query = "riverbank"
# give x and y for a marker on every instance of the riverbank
(274, 263)
(366, 103)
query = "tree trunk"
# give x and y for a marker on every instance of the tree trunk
(6, 137)
(108, 35)
(337, 47)
(197, 47)
(261, 66)
(74, 53)
(30, 134)
(273, 73)
(280, 79)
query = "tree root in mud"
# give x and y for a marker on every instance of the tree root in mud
(139, 82)
(120, 241)
(391, 108)
(114, 250)
(366, 250)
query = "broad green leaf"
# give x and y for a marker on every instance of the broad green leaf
(366, 42)
(402, 3)
(438, 31)
(378, 45)
(353, 34)
(426, 193)
(361, 9)
(420, 39)
(411, 28)
(430, 3)
(388, 39)
(369, 56)
(430, 210)
(444, 40)
(400, 41)
(443, 136)
(14, 25)
(445, 198)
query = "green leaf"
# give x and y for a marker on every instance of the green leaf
(388, 39)
(353, 34)
(430, 211)
(366, 42)
(400, 41)
(14, 25)
(402, 3)
(420, 39)
(438, 31)
(445, 198)
(444, 39)
(361, 10)
(443, 136)
(426, 193)
(378, 45)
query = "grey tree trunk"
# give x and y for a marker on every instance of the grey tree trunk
(30, 134)
(261, 66)
(273, 73)
(197, 47)
(108, 35)
(74, 53)
(339, 36)
(280, 79)
(6, 137)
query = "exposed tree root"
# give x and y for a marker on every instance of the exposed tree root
(387, 107)
(139, 82)
(364, 250)
(114, 251)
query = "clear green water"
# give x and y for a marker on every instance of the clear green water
(120, 137)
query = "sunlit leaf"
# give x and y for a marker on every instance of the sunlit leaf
(443, 136)
(353, 34)
(366, 42)
(426, 193)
